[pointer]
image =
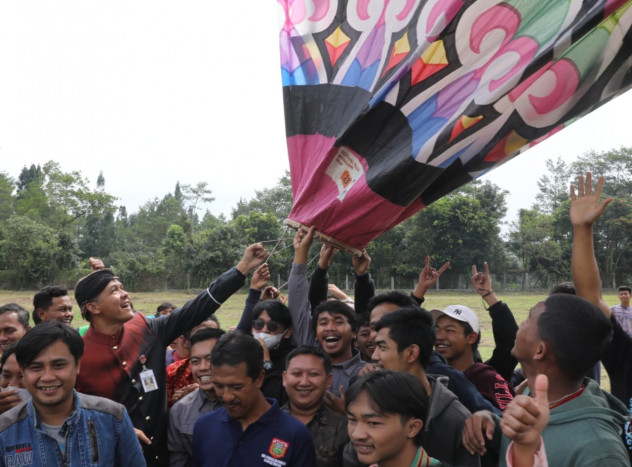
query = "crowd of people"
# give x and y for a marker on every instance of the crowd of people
(318, 378)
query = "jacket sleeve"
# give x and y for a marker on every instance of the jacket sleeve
(245, 322)
(364, 291)
(300, 309)
(504, 328)
(178, 453)
(128, 450)
(167, 328)
(318, 287)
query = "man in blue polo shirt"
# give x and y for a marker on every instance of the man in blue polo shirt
(249, 429)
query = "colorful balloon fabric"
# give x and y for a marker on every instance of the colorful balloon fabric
(392, 104)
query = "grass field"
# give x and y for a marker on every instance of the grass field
(230, 311)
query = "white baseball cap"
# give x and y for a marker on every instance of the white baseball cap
(460, 313)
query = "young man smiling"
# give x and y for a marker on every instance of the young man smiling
(332, 324)
(458, 336)
(386, 413)
(60, 426)
(306, 379)
(187, 410)
(249, 430)
(404, 342)
(125, 351)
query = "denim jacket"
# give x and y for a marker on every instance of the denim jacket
(98, 433)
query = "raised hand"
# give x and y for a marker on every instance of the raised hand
(428, 278)
(254, 255)
(302, 242)
(261, 277)
(585, 205)
(361, 263)
(524, 420)
(482, 283)
(327, 252)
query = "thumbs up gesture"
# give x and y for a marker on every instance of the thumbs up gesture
(524, 420)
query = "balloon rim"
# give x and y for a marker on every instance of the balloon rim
(323, 237)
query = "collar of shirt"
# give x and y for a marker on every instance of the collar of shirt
(203, 398)
(270, 417)
(70, 420)
(349, 365)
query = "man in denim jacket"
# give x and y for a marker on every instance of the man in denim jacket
(60, 426)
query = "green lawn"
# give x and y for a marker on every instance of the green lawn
(230, 311)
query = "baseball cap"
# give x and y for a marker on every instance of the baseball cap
(460, 313)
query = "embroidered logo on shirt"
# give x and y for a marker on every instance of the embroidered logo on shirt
(22, 455)
(278, 448)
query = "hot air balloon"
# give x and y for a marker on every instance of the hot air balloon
(392, 104)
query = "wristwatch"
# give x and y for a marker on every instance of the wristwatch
(267, 365)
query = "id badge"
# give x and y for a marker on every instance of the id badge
(148, 380)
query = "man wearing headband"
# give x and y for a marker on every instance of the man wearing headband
(124, 357)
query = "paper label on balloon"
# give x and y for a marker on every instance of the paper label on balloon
(345, 169)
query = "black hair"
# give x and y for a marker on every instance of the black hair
(235, 348)
(43, 335)
(395, 297)
(623, 288)
(364, 319)
(410, 325)
(206, 334)
(276, 310)
(393, 392)
(23, 315)
(7, 352)
(44, 298)
(187, 333)
(577, 331)
(335, 307)
(309, 350)
(164, 306)
(564, 287)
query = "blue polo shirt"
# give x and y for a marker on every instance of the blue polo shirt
(277, 439)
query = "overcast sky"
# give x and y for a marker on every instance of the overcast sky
(154, 92)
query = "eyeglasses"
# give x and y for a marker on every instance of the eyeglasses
(258, 324)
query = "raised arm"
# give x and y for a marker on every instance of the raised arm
(364, 285)
(504, 326)
(298, 289)
(259, 280)
(584, 212)
(206, 303)
(320, 278)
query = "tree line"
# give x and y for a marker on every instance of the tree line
(51, 221)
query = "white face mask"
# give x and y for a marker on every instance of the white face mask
(270, 340)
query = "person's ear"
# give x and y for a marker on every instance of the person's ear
(541, 351)
(259, 380)
(288, 333)
(412, 353)
(41, 313)
(413, 427)
(93, 308)
(284, 375)
(471, 338)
